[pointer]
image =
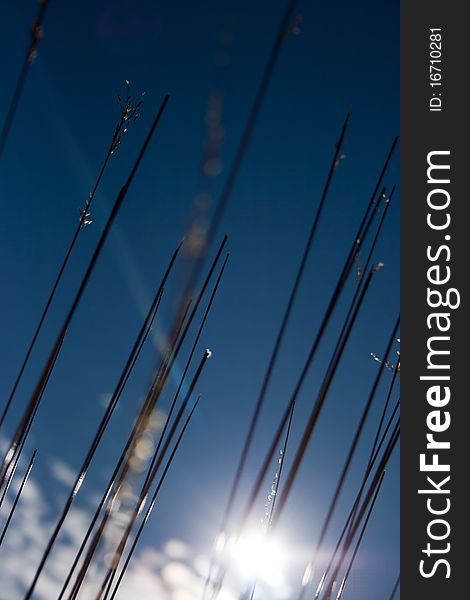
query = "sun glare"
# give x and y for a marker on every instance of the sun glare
(258, 557)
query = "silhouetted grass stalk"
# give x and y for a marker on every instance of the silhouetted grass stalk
(351, 452)
(125, 374)
(361, 535)
(155, 465)
(152, 502)
(30, 56)
(144, 415)
(281, 427)
(372, 487)
(395, 588)
(141, 500)
(173, 351)
(39, 389)
(128, 115)
(17, 497)
(351, 517)
(244, 141)
(277, 344)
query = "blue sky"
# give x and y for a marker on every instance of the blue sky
(346, 55)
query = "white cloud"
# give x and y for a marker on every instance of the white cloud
(174, 571)
(165, 573)
(62, 473)
(177, 549)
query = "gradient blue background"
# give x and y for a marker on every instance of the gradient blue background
(346, 54)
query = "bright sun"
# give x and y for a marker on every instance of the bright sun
(258, 557)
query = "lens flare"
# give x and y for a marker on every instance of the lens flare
(256, 556)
